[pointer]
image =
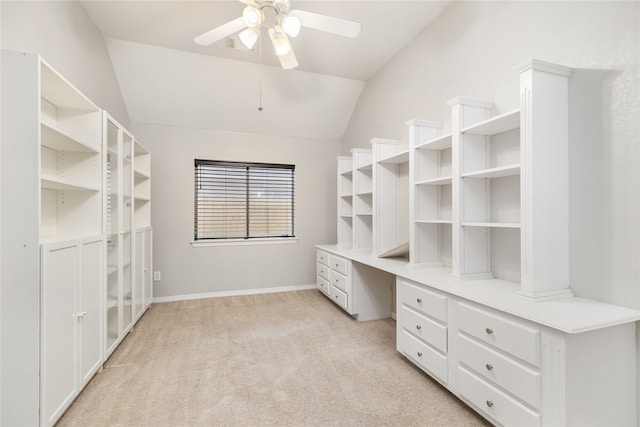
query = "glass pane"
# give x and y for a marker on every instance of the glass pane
(113, 291)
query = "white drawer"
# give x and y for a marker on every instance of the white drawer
(422, 299)
(323, 271)
(322, 257)
(338, 297)
(338, 280)
(516, 339)
(323, 285)
(519, 380)
(422, 355)
(496, 404)
(339, 264)
(424, 328)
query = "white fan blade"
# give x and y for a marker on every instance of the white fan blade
(338, 26)
(288, 60)
(218, 33)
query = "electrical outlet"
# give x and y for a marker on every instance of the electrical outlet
(156, 276)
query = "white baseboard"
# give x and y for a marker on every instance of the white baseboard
(234, 293)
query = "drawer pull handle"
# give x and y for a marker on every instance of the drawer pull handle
(418, 327)
(489, 403)
(419, 300)
(419, 354)
(489, 331)
(489, 366)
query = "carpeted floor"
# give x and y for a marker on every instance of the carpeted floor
(283, 359)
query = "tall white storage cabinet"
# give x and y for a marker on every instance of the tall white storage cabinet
(52, 245)
(128, 230)
(143, 285)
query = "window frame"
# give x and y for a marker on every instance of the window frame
(248, 238)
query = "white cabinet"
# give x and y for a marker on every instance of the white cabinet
(516, 372)
(71, 322)
(360, 290)
(142, 289)
(143, 265)
(52, 198)
(128, 229)
(322, 272)
(340, 290)
(421, 327)
(118, 214)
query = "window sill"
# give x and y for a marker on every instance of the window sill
(245, 242)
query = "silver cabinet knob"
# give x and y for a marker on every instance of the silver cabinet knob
(489, 331)
(418, 327)
(489, 403)
(489, 366)
(419, 300)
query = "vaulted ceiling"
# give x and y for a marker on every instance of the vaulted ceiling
(167, 78)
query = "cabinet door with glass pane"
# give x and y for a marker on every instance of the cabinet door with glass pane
(118, 190)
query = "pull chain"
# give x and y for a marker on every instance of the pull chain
(260, 77)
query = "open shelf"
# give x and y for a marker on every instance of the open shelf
(140, 176)
(440, 143)
(396, 159)
(444, 180)
(491, 224)
(59, 140)
(495, 125)
(58, 91)
(433, 221)
(53, 183)
(498, 172)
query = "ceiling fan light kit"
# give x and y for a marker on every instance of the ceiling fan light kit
(252, 17)
(249, 37)
(280, 21)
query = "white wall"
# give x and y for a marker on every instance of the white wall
(204, 270)
(64, 35)
(470, 50)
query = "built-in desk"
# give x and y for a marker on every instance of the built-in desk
(568, 361)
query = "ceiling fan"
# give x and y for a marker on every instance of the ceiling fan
(280, 22)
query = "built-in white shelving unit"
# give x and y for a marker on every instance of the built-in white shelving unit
(345, 201)
(431, 198)
(362, 199)
(390, 197)
(128, 227)
(487, 181)
(484, 303)
(52, 241)
(142, 290)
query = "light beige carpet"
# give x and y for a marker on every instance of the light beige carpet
(284, 359)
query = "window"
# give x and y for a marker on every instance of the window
(236, 200)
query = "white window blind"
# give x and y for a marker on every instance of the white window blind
(236, 200)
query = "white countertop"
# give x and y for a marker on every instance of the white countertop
(570, 314)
